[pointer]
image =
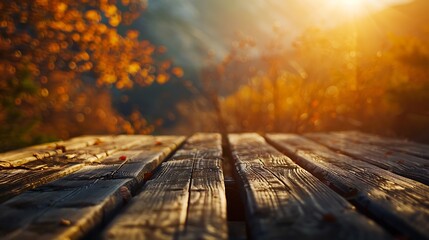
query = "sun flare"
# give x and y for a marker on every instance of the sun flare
(351, 4)
(354, 7)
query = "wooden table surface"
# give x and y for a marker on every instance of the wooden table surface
(336, 185)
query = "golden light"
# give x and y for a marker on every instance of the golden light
(351, 4)
(352, 8)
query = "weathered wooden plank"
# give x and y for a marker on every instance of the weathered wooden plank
(206, 217)
(13, 182)
(403, 164)
(284, 201)
(133, 163)
(22, 156)
(74, 143)
(72, 206)
(184, 200)
(38, 172)
(399, 145)
(398, 202)
(91, 198)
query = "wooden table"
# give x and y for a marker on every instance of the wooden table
(338, 185)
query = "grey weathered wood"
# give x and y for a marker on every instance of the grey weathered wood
(184, 200)
(140, 160)
(34, 173)
(19, 157)
(403, 164)
(71, 207)
(13, 182)
(21, 216)
(284, 201)
(397, 202)
(398, 145)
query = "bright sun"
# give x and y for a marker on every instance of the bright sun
(351, 3)
(352, 6)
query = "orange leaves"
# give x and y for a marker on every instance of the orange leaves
(148, 50)
(82, 56)
(112, 13)
(144, 79)
(113, 37)
(330, 85)
(124, 82)
(54, 47)
(165, 65)
(76, 37)
(162, 78)
(108, 78)
(92, 15)
(80, 26)
(44, 92)
(132, 34)
(63, 39)
(178, 72)
(61, 7)
(137, 124)
(109, 10)
(102, 28)
(72, 65)
(42, 3)
(125, 2)
(115, 20)
(133, 68)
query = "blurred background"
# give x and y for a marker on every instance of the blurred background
(78, 67)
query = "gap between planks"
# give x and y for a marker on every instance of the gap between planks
(184, 200)
(398, 203)
(73, 206)
(284, 201)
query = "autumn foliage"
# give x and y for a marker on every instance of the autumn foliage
(329, 81)
(338, 79)
(61, 58)
(54, 52)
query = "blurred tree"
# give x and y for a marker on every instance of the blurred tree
(218, 78)
(328, 81)
(409, 89)
(47, 48)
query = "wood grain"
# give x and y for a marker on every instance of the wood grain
(398, 202)
(284, 201)
(184, 200)
(70, 207)
(398, 145)
(19, 157)
(401, 163)
(35, 173)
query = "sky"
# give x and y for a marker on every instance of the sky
(336, 10)
(191, 28)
